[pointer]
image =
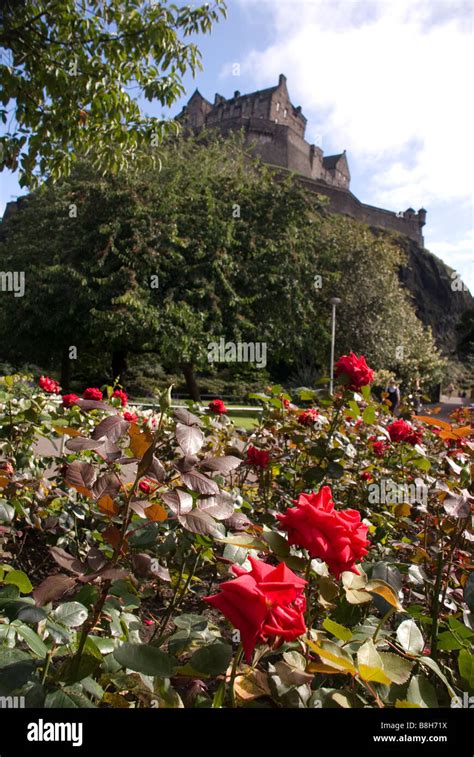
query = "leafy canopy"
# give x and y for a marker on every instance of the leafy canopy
(72, 71)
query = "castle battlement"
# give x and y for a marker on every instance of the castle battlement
(275, 130)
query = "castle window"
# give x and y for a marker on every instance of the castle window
(276, 120)
(285, 113)
(278, 107)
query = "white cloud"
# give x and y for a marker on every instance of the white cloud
(459, 255)
(388, 81)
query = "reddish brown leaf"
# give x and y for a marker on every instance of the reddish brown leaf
(186, 417)
(200, 483)
(66, 560)
(81, 476)
(112, 535)
(52, 588)
(190, 438)
(107, 505)
(112, 427)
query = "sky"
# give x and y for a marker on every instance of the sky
(390, 82)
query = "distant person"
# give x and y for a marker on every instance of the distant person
(450, 389)
(417, 395)
(393, 397)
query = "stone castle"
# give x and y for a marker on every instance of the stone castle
(275, 130)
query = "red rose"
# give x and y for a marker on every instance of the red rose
(379, 448)
(123, 396)
(70, 399)
(131, 417)
(258, 457)
(49, 385)
(356, 369)
(217, 407)
(264, 603)
(6, 467)
(366, 476)
(337, 537)
(92, 394)
(145, 486)
(308, 417)
(401, 431)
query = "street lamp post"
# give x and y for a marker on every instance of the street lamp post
(334, 302)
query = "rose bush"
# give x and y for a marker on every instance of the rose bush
(148, 551)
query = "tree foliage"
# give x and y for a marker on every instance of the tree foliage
(72, 73)
(213, 246)
(376, 315)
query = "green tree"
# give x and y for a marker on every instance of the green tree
(72, 71)
(213, 246)
(207, 248)
(465, 347)
(376, 315)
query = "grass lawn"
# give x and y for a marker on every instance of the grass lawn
(244, 421)
(242, 418)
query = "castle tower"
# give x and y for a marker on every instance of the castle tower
(275, 130)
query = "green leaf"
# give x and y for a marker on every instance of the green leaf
(335, 470)
(213, 659)
(422, 462)
(219, 696)
(15, 675)
(9, 656)
(354, 409)
(403, 703)
(368, 416)
(20, 579)
(70, 672)
(67, 697)
(33, 640)
(448, 642)
(430, 663)
(333, 655)
(409, 637)
(340, 632)
(466, 667)
(370, 663)
(421, 692)
(7, 512)
(104, 644)
(71, 614)
(314, 474)
(277, 543)
(397, 668)
(145, 658)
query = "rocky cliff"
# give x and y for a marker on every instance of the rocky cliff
(438, 295)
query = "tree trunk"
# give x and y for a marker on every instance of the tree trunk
(119, 364)
(191, 383)
(65, 370)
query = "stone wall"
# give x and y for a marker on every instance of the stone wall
(343, 201)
